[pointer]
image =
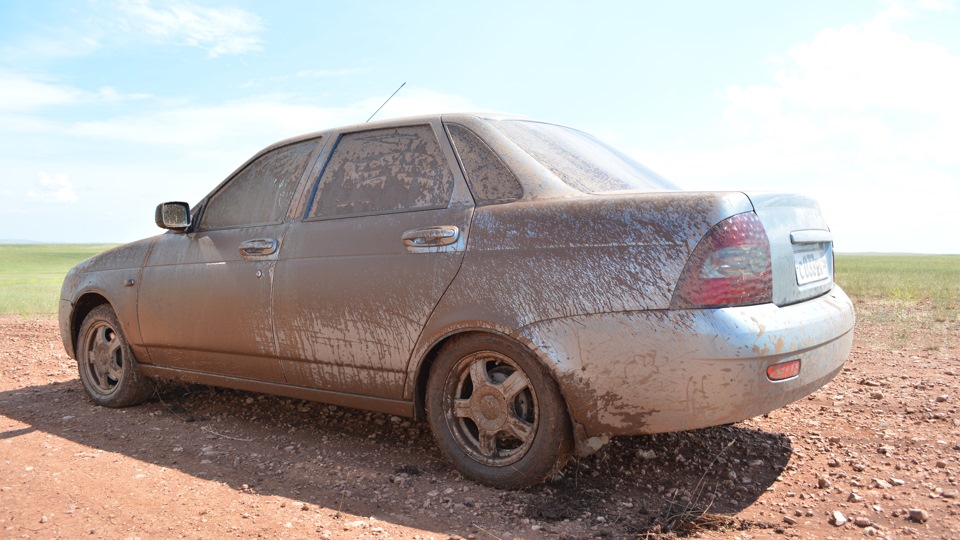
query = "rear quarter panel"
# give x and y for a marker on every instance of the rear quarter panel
(530, 261)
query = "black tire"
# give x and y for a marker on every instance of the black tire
(108, 370)
(496, 413)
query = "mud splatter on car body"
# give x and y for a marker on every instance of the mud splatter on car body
(344, 266)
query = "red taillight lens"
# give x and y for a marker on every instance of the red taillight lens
(729, 267)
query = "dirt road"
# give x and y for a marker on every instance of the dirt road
(874, 453)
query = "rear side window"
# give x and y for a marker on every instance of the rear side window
(490, 181)
(262, 191)
(383, 171)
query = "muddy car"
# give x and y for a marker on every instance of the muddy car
(524, 288)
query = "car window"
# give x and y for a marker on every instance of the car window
(384, 170)
(580, 160)
(490, 181)
(262, 191)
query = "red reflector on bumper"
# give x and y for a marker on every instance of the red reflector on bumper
(779, 372)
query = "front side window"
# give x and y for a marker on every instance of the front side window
(383, 171)
(262, 191)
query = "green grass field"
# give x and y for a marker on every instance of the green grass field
(926, 283)
(31, 275)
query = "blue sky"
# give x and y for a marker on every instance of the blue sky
(109, 107)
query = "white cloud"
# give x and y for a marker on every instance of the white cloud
(67, 43)
(177, 153)
(865, 118)
(327, 73)
(21, 93)
(57, 189)
(218, 30)
(264, 119)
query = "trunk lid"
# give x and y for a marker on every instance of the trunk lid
(801, 246)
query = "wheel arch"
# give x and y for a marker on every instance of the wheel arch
(87, 302)
(429, 357)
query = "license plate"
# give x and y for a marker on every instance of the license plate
(811, 266)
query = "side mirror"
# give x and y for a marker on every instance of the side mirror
(173, 215)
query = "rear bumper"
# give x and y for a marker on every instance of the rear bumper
(631, 373)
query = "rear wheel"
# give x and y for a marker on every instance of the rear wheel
(108, 370)
(496, 413)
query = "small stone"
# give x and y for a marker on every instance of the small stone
(833, 462)
(854, 498)
(876, 395)
(877, 483)
(861, 522)
(838, 519)
(868, 382)
(789, 520)
(951, 494)
(941, 399)
(918, 515)
(646, 454)
(941, 464)
(885, 450)
(823, 483)
(43, 519)
(897, 481)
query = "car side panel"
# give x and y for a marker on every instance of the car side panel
(530, 261)
(205, 307)
(351, 300)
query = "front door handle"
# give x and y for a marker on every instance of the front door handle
(259, 246)
(428, 237)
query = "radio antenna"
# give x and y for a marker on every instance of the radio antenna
(384, 103)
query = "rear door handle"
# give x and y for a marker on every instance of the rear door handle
(259, 246)
(428, 237)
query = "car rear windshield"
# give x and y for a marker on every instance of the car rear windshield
(580, 160)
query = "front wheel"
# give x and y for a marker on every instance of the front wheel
(108, 370)
(496, 413)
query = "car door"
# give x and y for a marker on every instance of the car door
(205, 301)
(383, 236)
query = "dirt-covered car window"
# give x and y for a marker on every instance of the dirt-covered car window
(262, 191)
(386, 170)
(580, 160)
(490, 181)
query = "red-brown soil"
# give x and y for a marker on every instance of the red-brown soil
(194, 462)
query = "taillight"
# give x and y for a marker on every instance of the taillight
(729, 267)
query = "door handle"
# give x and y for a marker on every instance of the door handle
(259, 246)
(431, 236)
